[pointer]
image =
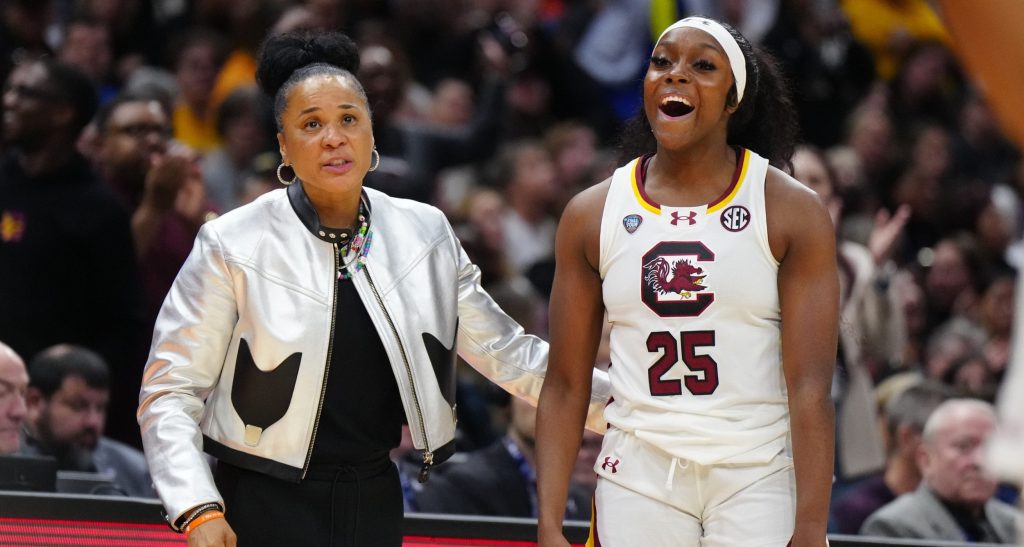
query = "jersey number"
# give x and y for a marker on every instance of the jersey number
(697, 384)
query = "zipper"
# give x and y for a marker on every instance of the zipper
(428, 455)
(327, 366)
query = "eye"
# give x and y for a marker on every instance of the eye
(311, 124)
(704, 64)
(348, 119)
(658, 61)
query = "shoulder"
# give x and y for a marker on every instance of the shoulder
(785, 193)
(586, 208)
(796, 215)
(387, 209)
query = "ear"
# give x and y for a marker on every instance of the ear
(282, 147)
(923, 458)
(35, 402)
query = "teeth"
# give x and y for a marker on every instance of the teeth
(675, 99)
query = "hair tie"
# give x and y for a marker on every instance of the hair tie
(725, 39)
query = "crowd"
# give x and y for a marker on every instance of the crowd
(129, 123)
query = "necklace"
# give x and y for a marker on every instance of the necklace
(352, 257)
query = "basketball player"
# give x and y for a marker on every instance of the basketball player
(718, 274)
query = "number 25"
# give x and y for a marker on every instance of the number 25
(666, 343)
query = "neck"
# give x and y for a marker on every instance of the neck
(702, 171)
(901, 476)
(49, 157)
(336, 210)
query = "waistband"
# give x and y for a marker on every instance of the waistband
(349, 472)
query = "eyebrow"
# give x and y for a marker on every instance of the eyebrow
(344, 106)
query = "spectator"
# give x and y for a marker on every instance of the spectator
(904, 417)
(527, 174)
(955, 499)
(199, 55)
(160, 184)
(69, 387)
(13, 384)
(498, 480)
(87, 46)
(245, 121)
(68, 272)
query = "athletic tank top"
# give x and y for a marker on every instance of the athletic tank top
(692, 298)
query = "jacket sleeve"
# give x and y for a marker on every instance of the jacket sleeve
(498, 347)
(190, 340)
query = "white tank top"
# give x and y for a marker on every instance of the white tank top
(692, 298)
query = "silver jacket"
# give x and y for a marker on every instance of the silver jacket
(242, 343)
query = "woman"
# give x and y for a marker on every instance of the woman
(718, 275)
(307, 326)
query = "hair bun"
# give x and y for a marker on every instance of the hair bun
(283, 54)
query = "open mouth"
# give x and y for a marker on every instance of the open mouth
(675, 106)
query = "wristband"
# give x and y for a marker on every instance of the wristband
(205, 517)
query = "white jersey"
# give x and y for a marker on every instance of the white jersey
(692, 298)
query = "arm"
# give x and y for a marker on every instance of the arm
(498, 347)
(189, 344)
(800, 227)
(576, 314)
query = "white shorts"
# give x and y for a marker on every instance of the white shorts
(647, 497)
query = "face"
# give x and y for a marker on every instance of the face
(13, 384)
(28, 101)
(949, 275)
(197, 72)
(135, 133)
(74, 415)
(951, 461)
(685, 89)
(535, 175)
(88, 47)
(811, 171)
(326, 135)
(381, 75)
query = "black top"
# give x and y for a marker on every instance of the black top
(68, 274)
(362, 415)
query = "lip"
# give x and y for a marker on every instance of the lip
(339, 169)
(677, 94)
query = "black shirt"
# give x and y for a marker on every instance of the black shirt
(362, 412)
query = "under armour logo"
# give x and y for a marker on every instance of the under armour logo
(690, 218)
(609, 463)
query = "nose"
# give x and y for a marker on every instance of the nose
(333, 136)
(95, 418)
(16, 409)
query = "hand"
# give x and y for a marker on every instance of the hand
(886, 231)
(167, 174)
(212, 533)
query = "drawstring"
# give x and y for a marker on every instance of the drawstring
(672, 471)
(354, 515)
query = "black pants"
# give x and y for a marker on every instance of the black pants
(335, 507)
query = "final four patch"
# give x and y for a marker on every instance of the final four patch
(632, 222)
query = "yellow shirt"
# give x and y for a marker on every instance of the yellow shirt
(883, 25)
(198, 132)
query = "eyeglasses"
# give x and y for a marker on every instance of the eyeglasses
(142, 130)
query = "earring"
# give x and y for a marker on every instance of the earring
(280, 178)
(376, 157)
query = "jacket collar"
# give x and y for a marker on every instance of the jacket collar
(307, 214)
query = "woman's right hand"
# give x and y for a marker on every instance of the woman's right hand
(212, 533)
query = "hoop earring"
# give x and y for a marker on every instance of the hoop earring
(280, 178)
(376, 157)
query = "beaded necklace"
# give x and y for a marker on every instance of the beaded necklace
(352, 257)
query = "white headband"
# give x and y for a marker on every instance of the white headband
(726, 40)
